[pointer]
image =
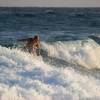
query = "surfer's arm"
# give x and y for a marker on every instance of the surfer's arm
(38, 49)
(38, 45)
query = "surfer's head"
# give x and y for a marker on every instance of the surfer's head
(36, 37)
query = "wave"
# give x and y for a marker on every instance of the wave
(81, 52)
(29, 77)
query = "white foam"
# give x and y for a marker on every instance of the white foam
(85, 53)
(26, 77)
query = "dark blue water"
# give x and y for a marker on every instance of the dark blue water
(52, 24)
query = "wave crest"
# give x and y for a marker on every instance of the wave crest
(81, 52)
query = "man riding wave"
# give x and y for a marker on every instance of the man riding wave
(33, 45)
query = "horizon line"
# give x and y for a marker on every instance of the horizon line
(44, 7)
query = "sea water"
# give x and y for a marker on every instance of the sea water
(69, 65)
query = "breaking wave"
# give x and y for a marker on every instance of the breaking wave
(61, 73)
(81, 52)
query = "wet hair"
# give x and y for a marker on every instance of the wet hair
(36, 37)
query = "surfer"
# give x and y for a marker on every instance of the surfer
(33, 45)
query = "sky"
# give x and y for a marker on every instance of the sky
(50, 3)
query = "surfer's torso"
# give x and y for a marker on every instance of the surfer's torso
(32, 45)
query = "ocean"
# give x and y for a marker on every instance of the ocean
(69, 65)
